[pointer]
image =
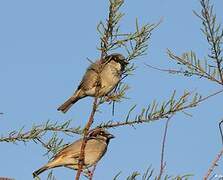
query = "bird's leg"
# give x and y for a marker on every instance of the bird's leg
(107, 98)
(92, 172)
(87, 173)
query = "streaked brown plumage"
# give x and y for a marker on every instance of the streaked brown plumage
(109, 77)
(96, 146)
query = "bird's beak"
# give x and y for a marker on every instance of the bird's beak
(110, 136)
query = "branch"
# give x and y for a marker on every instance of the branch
(39, 131)
(165, 110)
(152, 113)
(183, 72)
(213, 165)
(213, 32)
(194, 66)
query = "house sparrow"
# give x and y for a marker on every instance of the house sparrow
(106, 72)
(96, 146)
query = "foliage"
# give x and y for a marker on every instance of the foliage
(211, 66)
(135, 44)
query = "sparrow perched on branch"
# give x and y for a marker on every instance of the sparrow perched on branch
(96, 146)
(104, 74)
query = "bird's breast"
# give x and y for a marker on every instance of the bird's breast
(94, 151)
(110, 77)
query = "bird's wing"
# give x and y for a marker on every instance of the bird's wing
(68, 156)
(90, 78)
(72, 150)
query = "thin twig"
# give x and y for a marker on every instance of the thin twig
(162, 163)
(221, 130)
(211, 95)
(213, 165)
(186, 73)
(43, 144)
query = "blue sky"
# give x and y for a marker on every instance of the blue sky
(44, 46)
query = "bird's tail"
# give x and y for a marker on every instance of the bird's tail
(36, 173)
(67, 104)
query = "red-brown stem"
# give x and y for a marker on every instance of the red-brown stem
(213, 164)
(104, 43)
(83, 145)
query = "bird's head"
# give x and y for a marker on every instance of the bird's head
(119, 58)
(100, 133)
